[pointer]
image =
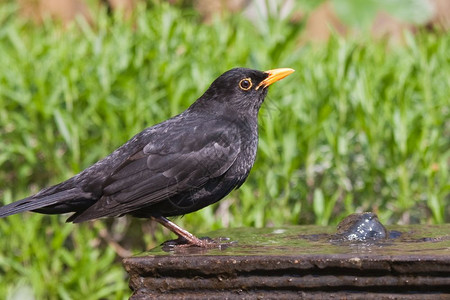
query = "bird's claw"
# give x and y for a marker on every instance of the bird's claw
(198, 243)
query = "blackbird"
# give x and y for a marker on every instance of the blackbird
(181, 165)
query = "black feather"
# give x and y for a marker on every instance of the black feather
(176, 167)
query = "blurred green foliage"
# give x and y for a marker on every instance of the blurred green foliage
(362, 13)
(360, 126)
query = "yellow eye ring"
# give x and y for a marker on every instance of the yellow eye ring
(245, 84)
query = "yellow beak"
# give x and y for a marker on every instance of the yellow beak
(275, 75)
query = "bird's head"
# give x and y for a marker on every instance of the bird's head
(240, 89)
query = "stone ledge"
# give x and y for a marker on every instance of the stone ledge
(301, 262)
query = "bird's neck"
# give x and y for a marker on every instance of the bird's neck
(213, 105)
(247, 118)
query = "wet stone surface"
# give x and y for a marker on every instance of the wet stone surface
(309, 262)
(361, 227)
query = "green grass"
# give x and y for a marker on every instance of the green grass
(360, 126)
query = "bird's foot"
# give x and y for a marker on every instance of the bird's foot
(180, 243)
(204, 242)
(187, 239)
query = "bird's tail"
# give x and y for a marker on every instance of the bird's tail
(37, 202)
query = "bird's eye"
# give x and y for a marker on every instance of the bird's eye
(245, 84)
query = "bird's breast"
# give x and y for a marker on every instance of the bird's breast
(247, 156)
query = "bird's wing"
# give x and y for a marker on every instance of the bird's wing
(173, 162)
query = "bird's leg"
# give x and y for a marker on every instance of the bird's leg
(182, 233)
